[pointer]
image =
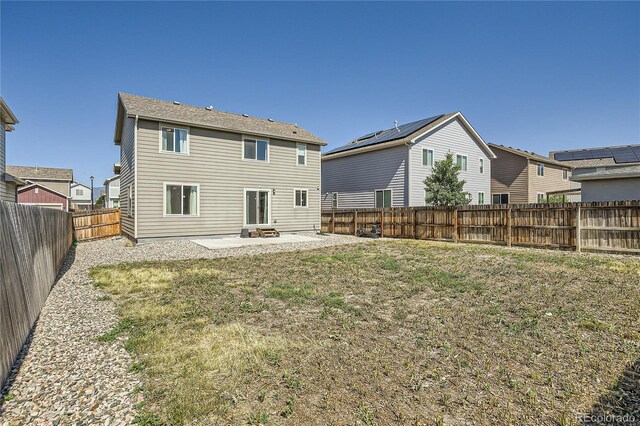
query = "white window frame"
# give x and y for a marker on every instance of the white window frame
(164, 199)
(540, 166)
(508, 194)
(483, 198)
(81, 194)
(466, 162)
(174, 127)
(244, 206)
(130, 202)
(294, 198)
(306, 149)
(481, 163)
(255, 160)
(432, 157)
(538, 194)
(375, 197)
(334, 197)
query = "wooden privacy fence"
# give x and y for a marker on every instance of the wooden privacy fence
(33, 245)
(594, 226)
(91, 225)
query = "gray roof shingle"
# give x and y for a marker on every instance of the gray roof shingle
(177, 112)
(530, 155)
(27, 172)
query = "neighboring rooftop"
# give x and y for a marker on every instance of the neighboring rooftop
(615, 173)
(155, 109)
(50, 173)
(530, 155)
(609, 155)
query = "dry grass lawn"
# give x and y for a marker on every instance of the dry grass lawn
(389, 332)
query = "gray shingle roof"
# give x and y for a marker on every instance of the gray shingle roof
(176, 112)
(27, 172)
(530, 155)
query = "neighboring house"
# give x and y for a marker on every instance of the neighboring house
(525, 177)
(36, 194)
(57, 179)
(80, 196)
(612, 184)
(388, 168)
(8, 183)
(112, 192)
(191, 171)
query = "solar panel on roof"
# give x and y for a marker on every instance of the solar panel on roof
(601, 153)
(563, 156)
(387, 135)
(624, 155)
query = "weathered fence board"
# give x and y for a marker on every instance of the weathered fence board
(92, 225)
(33, 245)
(598, 226)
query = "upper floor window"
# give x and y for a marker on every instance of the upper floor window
(482, 168)
(79, 192)
(175, 139)
(427, 157)
(301, 154)
(565, 174)
(462, 162)
(256, 149)
(540, 169)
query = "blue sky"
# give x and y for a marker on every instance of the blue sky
(538, 76)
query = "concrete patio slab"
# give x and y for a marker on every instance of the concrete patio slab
(231, 242)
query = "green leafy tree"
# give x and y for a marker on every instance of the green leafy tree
(443, 187)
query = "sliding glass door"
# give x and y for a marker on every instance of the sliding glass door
(256, 207)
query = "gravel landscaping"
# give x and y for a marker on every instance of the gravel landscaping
(68, 375)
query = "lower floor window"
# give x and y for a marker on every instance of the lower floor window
(181, 200)
(257, 207)
(116, 203)
(500, 199)
(301, 197)
(540, 197)
(383, 198)
(480, 197)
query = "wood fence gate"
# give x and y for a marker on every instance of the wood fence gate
(92, 225)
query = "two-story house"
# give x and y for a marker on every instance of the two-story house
(112, 192)
(194, 171)
(387, 168)
(523, 177)
(43, 186)
(80, 196)
(8, 188)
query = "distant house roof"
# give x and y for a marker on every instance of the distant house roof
(111, 179)
(405, 133)
(79, 184)
(601, 156)
(616, 173)
(49, 173)
(176, 112)
(39, 185)
(8, 116)
(530, 155)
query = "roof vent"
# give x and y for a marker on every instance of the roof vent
(245, 115)
(176, 103)
(295, 131)
(209, 108)
(395, 124)
(270, 119)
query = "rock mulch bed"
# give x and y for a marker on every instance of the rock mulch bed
(65, 375)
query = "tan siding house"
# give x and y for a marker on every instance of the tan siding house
(7, 181)
(524, 177)
(188, 171)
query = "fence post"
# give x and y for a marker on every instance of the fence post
(382, 223)
(333, 221)
(415, 224)
(578, 236)
(355, 222)
(455, 225)
(509, 237)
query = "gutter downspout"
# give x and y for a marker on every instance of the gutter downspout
(135, 179)
(407, 197)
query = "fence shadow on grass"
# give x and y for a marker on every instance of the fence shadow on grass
(5, 390)
(621, 404)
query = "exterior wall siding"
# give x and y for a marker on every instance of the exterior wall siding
(454, 138)
(127, 176)
(510, 175)
(356, 178)
(112, 193)
(215, 163)
(551, 181)
(42, 196)
(611, 189)
(7, 189)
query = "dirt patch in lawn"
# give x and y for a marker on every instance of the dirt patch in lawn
(407, 332)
